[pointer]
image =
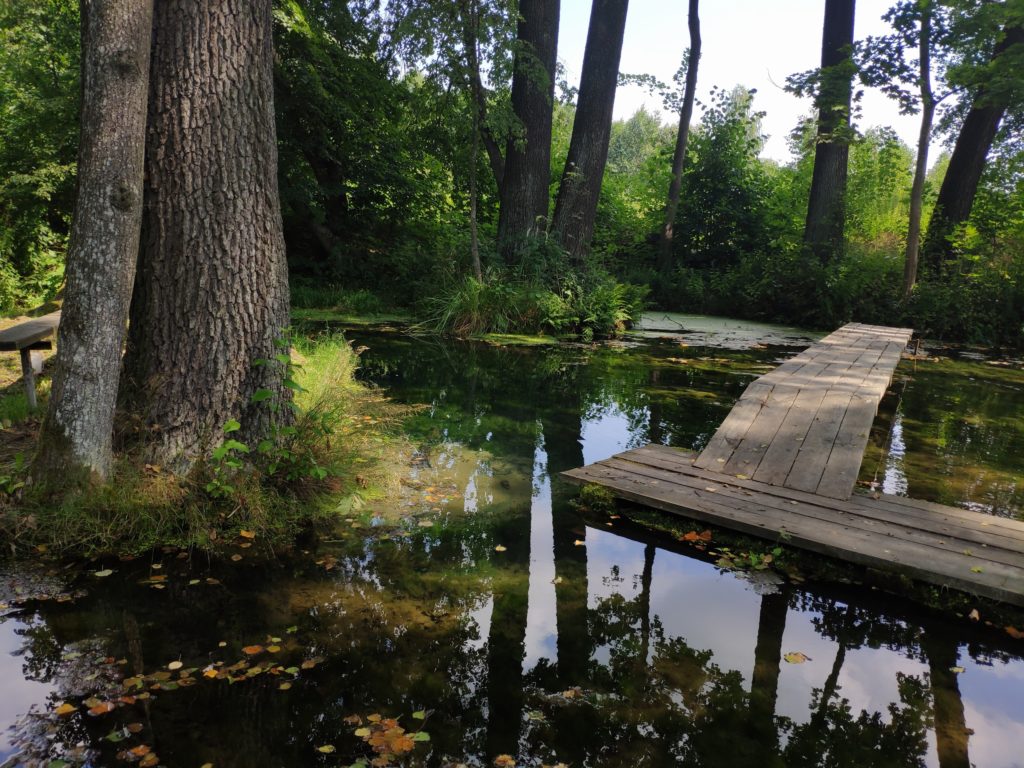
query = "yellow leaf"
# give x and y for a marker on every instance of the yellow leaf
(284, 686)
(504, 761)
(65, 709)
(578, 543)
(252, 650)
(149, 760)
(174, 665)
(247, 534)
(796, 657)
(273, 648)
(500, 548)
(327, 749)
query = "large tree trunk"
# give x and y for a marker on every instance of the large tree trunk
(78, 429)
(211, 298)
(923, 140)
(826, 208)
(679, 156)
(966, 164)
(524, 192)
(578, 193)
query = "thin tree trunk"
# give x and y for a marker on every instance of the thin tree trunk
(923, 140)
(470, 41)
(580, 188)
(77, 433)
(479, 115)
(826, 208)
(952, 735)
(966, 164)
(211, 298)
(679, 156)
(524, 191)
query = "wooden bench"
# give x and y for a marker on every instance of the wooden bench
(26, 338)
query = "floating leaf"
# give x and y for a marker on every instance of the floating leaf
(421, 736)
(362, 732)
(420, 715)
(140, 750)
(235, 558)
(974, 615)
(175, 665)
(1015, 633)
(284, 686)
(252, 650)
(103, 574)
(327, 749)
(134, 727)
(796, 657)
(504, 761)
(351, 719)
(500, 548)
(578, 543)
(957, 670)
(149, 760)
(292, 630)
(65, 709)
(273, 648)
(101, 709)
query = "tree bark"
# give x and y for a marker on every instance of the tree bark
(923, 140)
(211, 296)
(679, 156)
(580, 188)
(826, 208)
(77, 432)
(524, 192)
(966, 164)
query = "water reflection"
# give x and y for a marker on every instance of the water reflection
(524, 627)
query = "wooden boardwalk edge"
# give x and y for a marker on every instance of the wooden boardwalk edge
(976, 560)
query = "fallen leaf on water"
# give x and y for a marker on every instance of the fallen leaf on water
(206, 765)
(362, 732)
(101, 709)
(420, 715)
(957, 670)
(375, 718)
(134, 727)
(140, 750)
(104, 573)
(352, 719)
(974, 615)
(65, 709)
(273, 648)
(327, 749)
(796, 657)
(500, 548)
(149, 760)
(175, 665)
(504, 761)
(1015, 633)
(284, 686)
(252, 650)
(578, 543)
(235, 558)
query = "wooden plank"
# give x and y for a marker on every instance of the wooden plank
(998, 581)
(732, 430)
(28, 333)
(977, 526)
(779, 457)
(816, 447)
(761, 433)
(843, 466)
(823, 512)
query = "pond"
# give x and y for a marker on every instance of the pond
(495, 623)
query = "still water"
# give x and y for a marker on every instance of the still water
(495, 622)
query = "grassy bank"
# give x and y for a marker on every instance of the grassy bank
(345, 445)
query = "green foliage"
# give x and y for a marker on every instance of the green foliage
(38, 144)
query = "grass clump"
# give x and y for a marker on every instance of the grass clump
(584, 304)
(343, 448)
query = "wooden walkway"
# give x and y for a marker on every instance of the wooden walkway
(783, 466)
(805, 425)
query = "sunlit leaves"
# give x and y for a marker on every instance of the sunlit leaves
(796, 657)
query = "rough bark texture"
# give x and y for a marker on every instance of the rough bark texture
(524, 189)
(923, 140)
(966, 164)
(211, 296)
(78, 429)
(679, 155)
(826, 208)
(580, 188)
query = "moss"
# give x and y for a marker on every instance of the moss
(346, 318)
(516, 340)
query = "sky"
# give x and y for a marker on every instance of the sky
(753, 43)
